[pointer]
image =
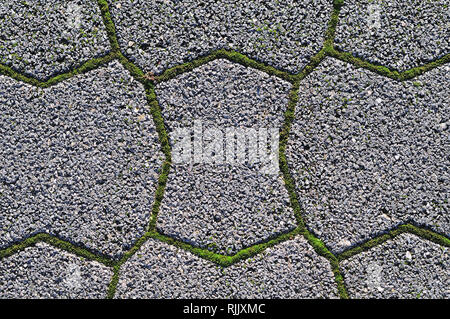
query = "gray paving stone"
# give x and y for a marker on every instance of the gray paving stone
(289, 270)
(159, 270)
(223, 206)
(368, 153)
(78, 160)
(406, 267)
(42, 38)
(399, 34)
(43, 271)
(160, 34)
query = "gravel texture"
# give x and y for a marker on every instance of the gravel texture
(159, 270)
(79, 160)
(399, 34)
(224, 207)
(368, 153)
(42, 38)
(43, 271)
(406, 267)
(161, 34)
(289, 270)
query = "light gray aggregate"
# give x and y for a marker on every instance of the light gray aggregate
(224, 207)
(406, 267)
(42, 38)
(161, 34)
(368, 153)
(43, 271)
(399, 34)
(159, 270)
(79, 160)
(289, 270)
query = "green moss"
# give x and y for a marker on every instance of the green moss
(84, 68)
(332, 24)
(384, 71)
(259, 248)
(426, 233)
(407, 228)
(349, 58)
(136, 72)
(58, 243)
(113, 283)
(223, 54)
(8, 71)
(317, 244)
(414, 72)
(284, 136)
(109, 25)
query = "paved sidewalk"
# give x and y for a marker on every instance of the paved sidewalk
(224, 149)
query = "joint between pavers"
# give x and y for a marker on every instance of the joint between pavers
(332, 23)
(410, 228)
(57, 243)
(383, 70)
(233, 56)
(109, 25)
(87, 66)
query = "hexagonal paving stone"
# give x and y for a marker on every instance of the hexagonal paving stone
(368, 153)
(289, 270)
(160, 34)
(217, 204)
(42, 38)
(78, 160)
(43, 271)
(399, 34)
(406, 267)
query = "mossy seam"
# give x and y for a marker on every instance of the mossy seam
(421, 232)
(58, 243)
(223, 260)
(332, 24)
(109, 25)
(87, 66)
(318, 246)
(383, 70)
(232, 56)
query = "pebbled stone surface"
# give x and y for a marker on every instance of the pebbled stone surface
(399, 34)
(161, 34)
(368, 153)
(224, 207)
(289, 270)
(78, 160)
(406, 267)
(43, 271)
(42, 38)
(159, 270)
